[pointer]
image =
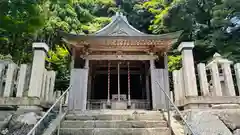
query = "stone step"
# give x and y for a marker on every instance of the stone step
(125, 117)
(113, 124)
(115, 131)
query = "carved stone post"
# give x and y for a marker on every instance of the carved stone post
(21, 80)
(230, 91)
(190, 85)
(225, 88)
(38, 68)
(203, 79)
(11, 72)
(217, 88)
(237, 72)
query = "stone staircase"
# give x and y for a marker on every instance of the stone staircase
(114, 122)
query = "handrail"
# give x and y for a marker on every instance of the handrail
(60, 99)
(178, 111)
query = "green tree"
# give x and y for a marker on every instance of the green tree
(19, 21)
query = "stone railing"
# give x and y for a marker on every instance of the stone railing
(212, 85)
(26, 85)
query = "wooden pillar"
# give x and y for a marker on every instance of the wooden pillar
(119, 81)
(89, 83)
(129, 86)
(147, 82)
(109, 82)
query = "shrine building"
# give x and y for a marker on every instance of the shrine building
(119, 67)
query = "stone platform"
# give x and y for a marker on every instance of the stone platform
(205, 102)
(115, 122)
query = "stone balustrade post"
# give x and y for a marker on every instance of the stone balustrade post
(54, 98)
(38, 68)
(2, 67)
(21, 80)
(189, 76)
(52, 76)
(228, 80)
(217, 88)
(237, 72)
(182, 92)
(226, 88)
(203, 79)
(58, 94)
(176, 85)
(44, 84)
(10, 75)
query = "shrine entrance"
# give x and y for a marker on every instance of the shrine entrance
(118, 79)
(116, 67)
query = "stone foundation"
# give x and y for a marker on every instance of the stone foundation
(119, 105)
(204, 102)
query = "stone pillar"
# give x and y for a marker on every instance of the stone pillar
(203, 79)
(190, 85)
(228, 80)
(21, 80)
(182, 93)
(237, 72)
(154, 85)
(38, 67)
(166, 83)
(10, 75)
(217, 88)
(176, 85)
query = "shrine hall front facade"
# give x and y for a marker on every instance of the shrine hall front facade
(118, 67)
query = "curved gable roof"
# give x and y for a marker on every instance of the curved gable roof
(119, 26)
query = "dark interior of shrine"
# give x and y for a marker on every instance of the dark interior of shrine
(137, 86)
(137, 82)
